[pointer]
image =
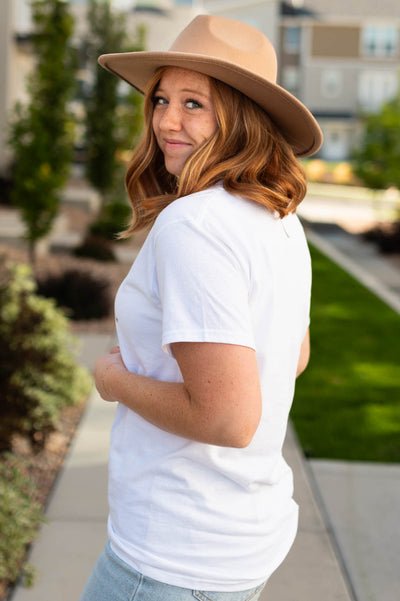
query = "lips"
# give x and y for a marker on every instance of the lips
(171, 144)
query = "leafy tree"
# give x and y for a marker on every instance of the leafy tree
(106, 115)
(130, 110)
(41, 132)
(377, 159)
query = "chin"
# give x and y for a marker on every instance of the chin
(174, 170)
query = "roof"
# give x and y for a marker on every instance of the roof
(294, 10)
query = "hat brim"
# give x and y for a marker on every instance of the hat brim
(294, 120)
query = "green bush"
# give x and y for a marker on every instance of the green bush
(114, 219)
(20, 517)
(386, 237)
(38, 372)
(80, 292)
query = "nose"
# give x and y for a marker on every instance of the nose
(170, 118)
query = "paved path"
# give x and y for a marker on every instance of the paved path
(347, 548)
(324, 219)
(360, 503)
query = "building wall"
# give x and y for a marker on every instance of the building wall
(264, 15)
(162, 29)
(5, 47)
(15, 66)
(330, 41)
(329, 86)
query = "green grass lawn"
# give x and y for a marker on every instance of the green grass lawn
(347, 402)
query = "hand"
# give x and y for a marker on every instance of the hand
(105, 370)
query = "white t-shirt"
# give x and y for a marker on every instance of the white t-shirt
(213, 268)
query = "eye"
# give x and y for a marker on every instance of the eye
(193, 104)
(159, 101)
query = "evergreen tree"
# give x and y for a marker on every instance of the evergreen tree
(104, 134)
(41, 132)
(377, 159)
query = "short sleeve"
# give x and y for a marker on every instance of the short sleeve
(203, 287)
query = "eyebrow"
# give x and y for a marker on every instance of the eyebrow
(186, 91)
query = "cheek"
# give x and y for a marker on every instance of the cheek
(213, 125)
(209, 128)
(154, 124)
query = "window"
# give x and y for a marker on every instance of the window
(292, 38)
(331, 83)
(380, 41)
(375, 88)
(23, 17)
(336, 143)
(291, 80)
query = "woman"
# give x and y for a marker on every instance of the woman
(212, 322)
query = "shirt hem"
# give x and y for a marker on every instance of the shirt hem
(186, 583)
(191, 582)
(213, 336)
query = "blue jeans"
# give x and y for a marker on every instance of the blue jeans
(113, 580)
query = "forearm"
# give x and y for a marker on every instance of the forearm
(167, 405)
(164, 404)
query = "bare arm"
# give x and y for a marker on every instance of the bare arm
(304, 354)
(219, 401)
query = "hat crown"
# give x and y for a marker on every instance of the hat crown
(229, 41)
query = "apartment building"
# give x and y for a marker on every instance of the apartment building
(341, 58)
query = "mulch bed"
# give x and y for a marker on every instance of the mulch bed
(45, 465)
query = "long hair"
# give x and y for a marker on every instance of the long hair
(247, 153)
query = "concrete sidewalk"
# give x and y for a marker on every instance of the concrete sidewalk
(347, 548)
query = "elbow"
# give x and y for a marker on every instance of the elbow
(241, 442)
(304, 355)
(302, 366)
(240, 433)
(231, 424)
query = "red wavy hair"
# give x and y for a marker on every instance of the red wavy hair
(247, 152)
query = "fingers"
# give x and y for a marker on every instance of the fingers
(115, 349)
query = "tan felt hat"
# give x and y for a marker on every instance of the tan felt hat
(237, 54)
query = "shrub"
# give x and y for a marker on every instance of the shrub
(343, 173)
(5, 190)
(386, 237)
(20, 517)
(315, 170)
(95, 247)
(38, 372)
(113, 219)
(81, 294)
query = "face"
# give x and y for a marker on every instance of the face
(183, 117)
